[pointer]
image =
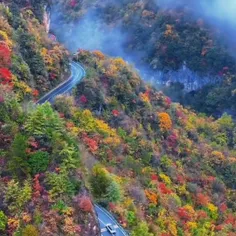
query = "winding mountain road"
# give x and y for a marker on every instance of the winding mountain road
(77, 74)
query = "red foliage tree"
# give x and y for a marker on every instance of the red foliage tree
(52, 76)
(223, 207)
(202, 199)
(230, 220)
(209, 179)
(78, 229)
(183, 214)
(111, 206)
(154, 177)
(180, 114)
(62, 115)
(85, 204)
(201, 215)
(5, 76)
(35, 93)
(83, 99)
(70, 125)
(180, 179)
(5, 56)
(33, 143)
(163, 189)
(91, 143)
(115, 113)
(219, 227)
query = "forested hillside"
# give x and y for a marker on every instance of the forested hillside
(42, 191)
(159, 40)
(31, 64)
(152, 163)
(160, 168)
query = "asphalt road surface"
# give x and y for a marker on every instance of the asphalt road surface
(105, 218)
(77, 74)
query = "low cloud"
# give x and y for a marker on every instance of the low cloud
(90, 33)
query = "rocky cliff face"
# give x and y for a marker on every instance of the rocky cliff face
(46, 19)
(190, 80)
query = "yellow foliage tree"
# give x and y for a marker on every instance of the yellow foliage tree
(172, 226)
(191, 225)
(4, 37)
(4, 26)
(217, 157)
(145, 96)
(111, 70)
(119, 62)
(99, 54)
(113, 141)
(166, 179)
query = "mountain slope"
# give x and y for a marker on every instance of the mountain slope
(177, 45)
(42, 190)
(31, 63)
(150, 159)
(161, 169)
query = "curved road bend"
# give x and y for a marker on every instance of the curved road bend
(77, 74)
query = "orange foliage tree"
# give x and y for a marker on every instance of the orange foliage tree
(152, 197)
(165, 122)
(99, 54)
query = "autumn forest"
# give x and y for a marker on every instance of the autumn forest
(129, 136)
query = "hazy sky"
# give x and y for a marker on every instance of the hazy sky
(218, 10)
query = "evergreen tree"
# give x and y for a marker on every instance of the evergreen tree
(113, 192)
(18, 164)
(43, 121)
(99, 182)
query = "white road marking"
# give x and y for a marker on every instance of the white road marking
(112, 220)
(103, 230)
(105, 213)
(71, 81)
(102, 222)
